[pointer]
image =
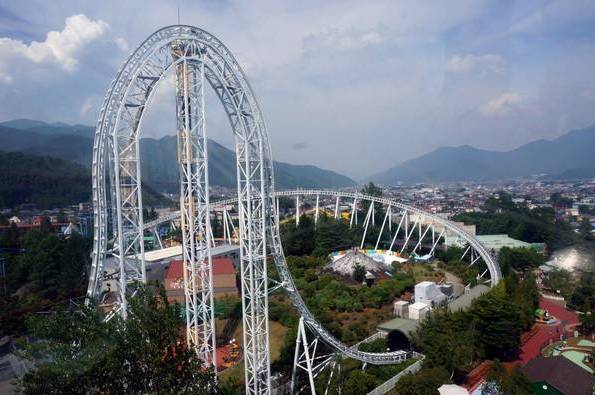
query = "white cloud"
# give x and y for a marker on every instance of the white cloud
(59, 47)
(86, 106)
(122, 43)
(501, 105)
(341, 40)
(487, 63)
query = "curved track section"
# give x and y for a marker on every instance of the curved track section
(291, 290)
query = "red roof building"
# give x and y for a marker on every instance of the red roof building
(224, 279)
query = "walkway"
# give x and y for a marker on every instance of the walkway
(541, 335)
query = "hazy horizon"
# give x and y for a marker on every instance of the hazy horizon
(382, 82)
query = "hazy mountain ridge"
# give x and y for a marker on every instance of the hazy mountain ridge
(556, 157)
(158, 156)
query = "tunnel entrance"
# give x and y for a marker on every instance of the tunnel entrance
(396, 340)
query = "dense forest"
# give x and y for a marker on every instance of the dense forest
(43, 181)
(538, 225)
(47, 182)
(142, 354)
(43, 270)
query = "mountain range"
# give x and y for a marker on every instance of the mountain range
(158, 156)
(571, 156)
(567, 157)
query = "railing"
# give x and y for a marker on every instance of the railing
(375, 336)
(392, 382)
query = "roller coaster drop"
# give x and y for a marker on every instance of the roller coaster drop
(197, 58)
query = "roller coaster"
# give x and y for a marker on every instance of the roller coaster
(199, 59)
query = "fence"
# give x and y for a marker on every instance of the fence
(390, 383)
(377, 335)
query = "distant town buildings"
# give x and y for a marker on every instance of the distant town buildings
(494, 243)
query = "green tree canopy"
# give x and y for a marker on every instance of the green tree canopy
(80, 354)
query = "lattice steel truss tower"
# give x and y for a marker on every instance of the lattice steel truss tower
(194, 203)
(197, 58)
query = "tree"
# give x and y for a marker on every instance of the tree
(372, 189)
(559, 280)
(360, 382)
(46, 226)
(298, 240)
(584, 291)
(585, 229)
(359, 273)
(425, 382)
(583, 299)
(498, 326)
(558, 200)
(501, 382)
(80, 353)
(62, 218)
(332, 235)
(11, 237)
(519, 258)
(444, 338)
(532, 226)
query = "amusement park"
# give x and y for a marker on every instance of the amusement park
(271, 290)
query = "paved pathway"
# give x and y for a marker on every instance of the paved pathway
(548, 333)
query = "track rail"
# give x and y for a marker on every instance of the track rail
(291, 290)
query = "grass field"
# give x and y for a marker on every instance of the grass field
(276, 337)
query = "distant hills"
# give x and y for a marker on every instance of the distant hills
(571, 156)
(44, 181)
(48, 182)
(158, 156)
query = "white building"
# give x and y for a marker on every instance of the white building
(401, 309)
(418, 311)
(429, 294)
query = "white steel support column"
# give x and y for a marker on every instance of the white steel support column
(337, 207)
(156, 231)
(297, 210)
(390, 220)
(277, 212)
(465, 252)
(305, 359)
(421, 237)
(373, 213)
(316, 212)
(435, 242)
(367, 220)
(403, 217)
(387, 215)
(353, 213)
(233, 232)
(194, 208)
(410, 233)
(225, 226)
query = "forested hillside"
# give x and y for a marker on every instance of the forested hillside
(158, 156)
(48, 182)
(44, 181)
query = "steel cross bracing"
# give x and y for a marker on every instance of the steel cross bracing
(118, 232)
(405, 212)
(307, 360)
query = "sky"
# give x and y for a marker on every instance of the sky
(352, 86)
